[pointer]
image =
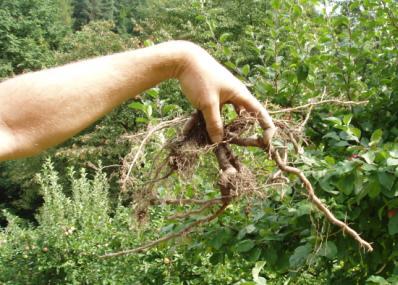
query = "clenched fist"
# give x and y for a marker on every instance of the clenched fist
(208, 85)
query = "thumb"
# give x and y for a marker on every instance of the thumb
(214, 125)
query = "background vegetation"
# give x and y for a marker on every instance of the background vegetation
(288, 53)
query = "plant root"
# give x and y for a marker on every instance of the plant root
(235, 179)
(311, 194)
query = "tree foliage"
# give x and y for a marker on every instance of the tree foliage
(29, 31)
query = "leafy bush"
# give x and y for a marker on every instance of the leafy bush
(74, 230)
(71, 233)
(29, 32)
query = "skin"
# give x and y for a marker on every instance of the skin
(41, 109)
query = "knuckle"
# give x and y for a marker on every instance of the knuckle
(206, 104)
(209, 103)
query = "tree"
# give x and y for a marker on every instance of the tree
(27, 44)
(85, 11)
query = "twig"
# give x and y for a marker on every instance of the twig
(167, 175)
(307, 117)
(151, 131)
(296, 146)
(305, 106)
(194, 212)
(183, 201)
(185, 231)
(381, 269)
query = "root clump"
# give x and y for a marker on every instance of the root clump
(235, 179)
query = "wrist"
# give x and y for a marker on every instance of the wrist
(180, 55)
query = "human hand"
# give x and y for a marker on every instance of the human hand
(208, 86)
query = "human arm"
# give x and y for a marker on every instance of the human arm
(41, 109)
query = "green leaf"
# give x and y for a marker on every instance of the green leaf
(386, 179)
(230, 65)
(347, 119)
(169, 108)
(302, 72)
(148, 43)
(154, 92)
(217, 258)
(256, 273)
(373, 187)
(224, 37)
(369, 167)
(246, 230)
(376, 280)
(275, 4)
(228, 52)
(252, 255)
(137, 106)
(346, 184)
(348, 136)
(345, 166)
(376, 137)
(334, 120)
(341, 144)
(329, 250)
(220, 237)
(304, 208)
(392, 161)
(330, 160)
(332, 135)
(245, 70)
(200, 17)
(326, 185)
(300, 254)
(369, 157)
(358, 182)
(356, 132)
(250, 228)
(244, 245)
(148, 110)
(393, 225)
(393, 153)
(141, 120)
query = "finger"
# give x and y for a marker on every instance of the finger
(214, 125)
(252, 105)
(268, 135)
(238, 109)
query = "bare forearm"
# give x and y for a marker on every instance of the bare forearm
(41, 109)
(44, 108)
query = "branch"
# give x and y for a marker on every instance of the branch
(305, 106)
(194, 212)
(183, 201)
(312, 197)
(185, 231)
